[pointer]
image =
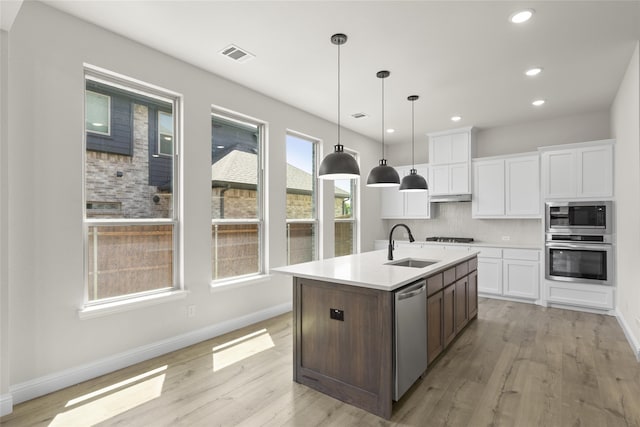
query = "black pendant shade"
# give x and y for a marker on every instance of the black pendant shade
(383, 175)
(413, 182)
(339, 165)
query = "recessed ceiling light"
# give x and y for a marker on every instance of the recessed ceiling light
(456, 118)
(521, 16)
(390, 130)
(533, 71)
(538, 102)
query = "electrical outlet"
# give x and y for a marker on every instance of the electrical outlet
(506, 238)
(191, 311)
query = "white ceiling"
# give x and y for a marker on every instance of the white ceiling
(462, 58)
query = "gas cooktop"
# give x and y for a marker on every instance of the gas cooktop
(450, 239)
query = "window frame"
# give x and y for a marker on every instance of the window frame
(355, 209)
(108, 133)
(262, 131)
(317, 143)
(129, 84)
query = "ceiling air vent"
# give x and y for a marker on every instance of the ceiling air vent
(359, 115)
(236, 53)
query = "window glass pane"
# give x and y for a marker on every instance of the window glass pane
(301, 182)
(124, 260)
(121, 171)
(344, 232)
(343, 198)
(234, 170)
(235, 250)
(97, 112)
(165, 132)
(301, 242)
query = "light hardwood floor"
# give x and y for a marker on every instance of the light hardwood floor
(516, 365)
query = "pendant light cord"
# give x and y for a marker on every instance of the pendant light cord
(382, 118)
(339, 94)
(413, 116)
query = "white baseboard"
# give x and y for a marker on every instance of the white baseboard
(40, 386)
(633, 341)
(6, 404)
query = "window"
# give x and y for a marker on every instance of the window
(236, 196)
(302, 224)
(98, 113)
(345, 214)
(130, 225)
(165, 133)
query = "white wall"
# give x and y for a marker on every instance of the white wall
(4, 286)
(45, 195)
(625, 124)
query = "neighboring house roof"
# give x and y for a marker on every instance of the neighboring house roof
(241, 167)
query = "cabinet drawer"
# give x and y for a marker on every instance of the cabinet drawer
(434, 284)
(473, 264)
(521, 254)
(489, 252)
(462, 270)
(449, 276)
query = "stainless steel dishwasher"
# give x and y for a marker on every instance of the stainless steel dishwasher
(410, 336)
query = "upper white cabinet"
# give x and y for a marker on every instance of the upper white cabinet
(506, 187)
(578, 171)
(450, 155)
(395, 204)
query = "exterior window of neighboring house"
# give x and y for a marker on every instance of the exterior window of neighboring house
(237, 224)
(302, 222)
(98, 113)
(346, 214)
(130, 206)
(165, 133)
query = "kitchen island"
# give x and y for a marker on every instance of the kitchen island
(344, 318)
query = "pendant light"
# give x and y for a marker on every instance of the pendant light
(383, 175)
(413, 182)
(339, 165)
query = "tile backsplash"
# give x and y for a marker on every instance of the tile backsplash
(454, 220)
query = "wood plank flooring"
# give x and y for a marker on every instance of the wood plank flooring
(516, 365)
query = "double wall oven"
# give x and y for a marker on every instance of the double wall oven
(579, 242)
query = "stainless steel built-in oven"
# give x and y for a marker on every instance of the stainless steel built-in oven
(579, 218)
(572, 261)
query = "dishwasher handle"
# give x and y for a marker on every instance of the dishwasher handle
(412, 291)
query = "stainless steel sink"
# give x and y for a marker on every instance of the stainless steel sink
(412, 262)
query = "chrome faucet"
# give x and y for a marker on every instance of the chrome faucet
(411, 239)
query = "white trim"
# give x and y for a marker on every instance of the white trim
(633, 340)
(49, 383)
(127, 304)
(6, 404)
(235, 282)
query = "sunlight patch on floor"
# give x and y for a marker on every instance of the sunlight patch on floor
(241, 348)
(112, 400)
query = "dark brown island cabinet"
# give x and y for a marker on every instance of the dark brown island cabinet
(343, 340)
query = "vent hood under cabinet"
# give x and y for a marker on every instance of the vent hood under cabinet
(450, 198)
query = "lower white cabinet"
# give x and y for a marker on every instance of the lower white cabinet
(579, 294)
(507, 272)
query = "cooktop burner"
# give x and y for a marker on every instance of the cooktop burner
(450, 239)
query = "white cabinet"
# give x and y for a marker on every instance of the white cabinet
(395, 204)
(506, 187)
(450, 155)
(579, 294)
(578, 171)
(512, 273)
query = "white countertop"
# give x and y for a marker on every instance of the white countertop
(476, 243)
(370, 269)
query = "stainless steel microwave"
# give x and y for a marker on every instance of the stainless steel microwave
(579, 217)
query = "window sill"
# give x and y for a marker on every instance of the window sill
(226, 285)
(100, 310)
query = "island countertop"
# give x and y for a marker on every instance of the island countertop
(370, 269)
